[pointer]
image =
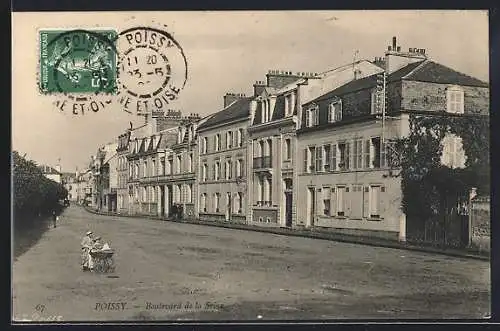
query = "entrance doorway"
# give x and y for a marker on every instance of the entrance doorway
(170, 198)
(312, 205)
(162, 200)
(288, 202)
(229, 207)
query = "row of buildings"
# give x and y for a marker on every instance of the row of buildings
(303, 150)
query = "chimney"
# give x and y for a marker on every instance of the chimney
(395, 59)
(258, 88)
(275, 79)
(230, 98)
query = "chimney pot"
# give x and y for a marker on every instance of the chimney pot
(389, 48)
(394, 43)
(399, 48)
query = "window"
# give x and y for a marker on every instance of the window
(203, 202)
(311, 117)
(374, 201)
(326, 201)
(319, 159)
(238, 203)
(240, 137)
(204, 172)
(153, 166)
(153, 193)
(453, 155)
(377, 153)
(216, 202)
(335, 112)
(455, 100)
(229, 169)
(239, 166)
(204, 146)
(170, 165)
(162, 162)
(189, 193)
(217, 142)
(136, 173)
(190, 162)
(333, 164)
(288, 149)
(310, 155)
(229, 139)
(357, 154)
(326, 157)
(289, 104)
(217, 171)
(145, 169)
(366, 153)
(178, 164)
(340, 200)
(344, 156)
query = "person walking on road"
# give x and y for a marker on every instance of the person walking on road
(54, 218)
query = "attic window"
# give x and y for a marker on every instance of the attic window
(289, 104)
(455, 100)
(312, 117)
(335, 112)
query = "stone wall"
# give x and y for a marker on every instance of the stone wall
(480, 223)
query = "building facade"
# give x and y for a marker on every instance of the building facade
(222, 170)
(345, 178)
(275, 118)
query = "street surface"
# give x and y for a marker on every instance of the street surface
(225, 274)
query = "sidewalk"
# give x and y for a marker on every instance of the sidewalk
(321, 234)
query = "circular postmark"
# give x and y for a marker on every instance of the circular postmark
(152, 69)
(79, 67)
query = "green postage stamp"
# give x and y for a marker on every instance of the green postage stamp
(78, 61)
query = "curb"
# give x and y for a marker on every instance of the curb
(314, 234)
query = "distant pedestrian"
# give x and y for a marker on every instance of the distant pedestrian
(54, 218)
(173, 212)
(180, 211)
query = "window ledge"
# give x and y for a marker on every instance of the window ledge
(374, 219)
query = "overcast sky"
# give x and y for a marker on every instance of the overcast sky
(228, 52)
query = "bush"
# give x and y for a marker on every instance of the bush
(33, 192)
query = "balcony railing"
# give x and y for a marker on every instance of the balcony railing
(262, 203)
(262, 162)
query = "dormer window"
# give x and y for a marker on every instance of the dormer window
(335, 111)
(289, 104)
(455, 100)
(312, 117)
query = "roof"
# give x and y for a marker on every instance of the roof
(237, 110)
(433, 72)
(424, 71)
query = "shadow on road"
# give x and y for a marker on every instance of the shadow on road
(27, 232)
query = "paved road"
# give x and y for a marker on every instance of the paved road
(231, 274)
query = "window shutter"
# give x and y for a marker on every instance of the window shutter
(306, 168)
(333, 163)
(347, 155)
(382, 203)
(347, 202)
(366, 202)
(333, 201)
(316, 116)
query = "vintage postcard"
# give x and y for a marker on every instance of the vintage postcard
(250, 165)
